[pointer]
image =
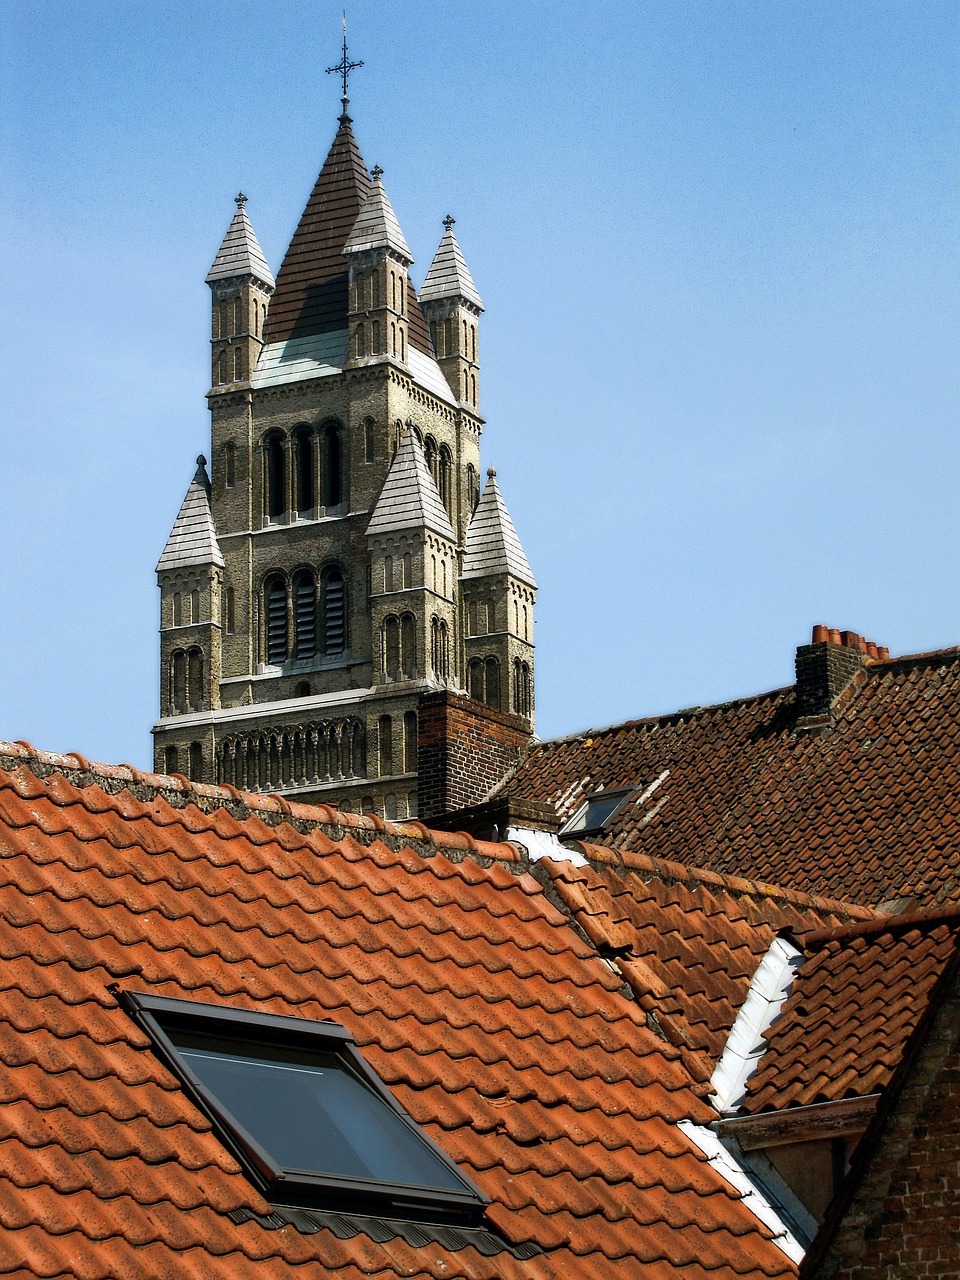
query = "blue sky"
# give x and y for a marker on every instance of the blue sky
(718, 246)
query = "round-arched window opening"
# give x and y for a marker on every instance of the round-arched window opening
(303, 689)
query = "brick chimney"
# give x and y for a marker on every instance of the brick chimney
(825, 668)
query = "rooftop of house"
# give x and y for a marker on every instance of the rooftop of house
(842, 785)
(499, 1025)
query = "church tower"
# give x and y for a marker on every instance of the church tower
(338, 571)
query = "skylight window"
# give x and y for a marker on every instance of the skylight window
(304, 1113)
(595, 812)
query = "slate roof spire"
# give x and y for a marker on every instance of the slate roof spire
(409, 499)
(449, 276)
(492, 545)
(240, 253)
(193, 538)
(311, 294)
(376, 226)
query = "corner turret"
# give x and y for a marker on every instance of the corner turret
(452, 308)
(241, 284)
(379, 260)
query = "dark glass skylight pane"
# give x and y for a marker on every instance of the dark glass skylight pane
(312, 1115)
(596, 811)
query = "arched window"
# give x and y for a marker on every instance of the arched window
(361, 343)
(238, 325)
(403, 345)
(238, 364)
(397, 434)
(221, 377)
(229, 464)
(464, 337)
(386, 746)
(305, 614)
(334, 611)
(359, 748)
(195, 605)
(275, 600)
(177, 609)
(491, 618)
(224, 319)
(375, 288)
(196, 762)
(195, 679)
(256, 320)
(473, 487)
(439, 648)
(430, 456)
(521, 688)
(391, 647)
(408, 644)
(369, 439)
(332, 464)
(473, 342)
(393, 339)
(491, 680)
(229, 612)
(388, 573)
(170, 761)
(406, 565)
(473, 389)
(276, 478)
(303, 466)
(178, 680)
(475, 679)
(444, 470)
(409, 741)
(472, 618)
(375, 336)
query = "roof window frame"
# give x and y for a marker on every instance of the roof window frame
(574, 828)
(158, 1016)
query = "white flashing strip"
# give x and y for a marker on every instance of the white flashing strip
(769, 988)
(544, 844)
(706, 1140)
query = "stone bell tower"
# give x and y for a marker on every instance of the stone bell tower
(339, 566)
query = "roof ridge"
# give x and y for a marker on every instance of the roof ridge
(884, 924)
(272, 808)
(679, 872)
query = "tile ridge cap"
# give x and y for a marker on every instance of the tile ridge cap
(272, 807)
(663, 716)
(883, 924)
(679, 872)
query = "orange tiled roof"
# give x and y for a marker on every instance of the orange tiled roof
(687, 941)
(856, 1000)
(867, 809)
(481, 1006)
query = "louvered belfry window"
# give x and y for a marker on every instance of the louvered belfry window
(276, 621)
(305, 615)
(334, 612)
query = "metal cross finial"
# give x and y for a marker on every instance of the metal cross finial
(376, 172)
(449, 221)
(240, 200)
(344, 66)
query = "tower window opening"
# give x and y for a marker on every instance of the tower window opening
(430, 456)
(473, 389)
(388, 573)
(393, 339)
(195, 679)
(397, 434)
(444, 470)
(238, 325)
(473, 343)
(475, 679)
(238, 364)
(221, 369)
(375, 338)
(439, 649)
(224, 319)
(305, 614)
(386, 746)
(491, 676)
(229, 619)
(196, 762)
(403, 345)
(303, 464)
(375, 288)
(334, 612)
(229, 464)
(521, 688)
(391, 647)
(361, 342)
(275, 458)
(332, 465)
(276, 602)
(369, 439)
(409, 741)
(171, 762)
(177, 609)
(408, 645)
(406, 566)
(195, 605)
(178, 680)
(472, 618)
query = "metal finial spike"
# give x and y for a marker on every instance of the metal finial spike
(448, 221)
(344, 66)
(240, 200)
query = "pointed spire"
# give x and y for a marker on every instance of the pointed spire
(193, 538)
(409, 498)
(449, 276)
(311, 294)
(240, 254)
(492, 545)
(376, 226)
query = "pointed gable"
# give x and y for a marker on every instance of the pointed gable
(240, 254)
(193, 538)
(492, 545)
(449, 276)
(409, 498)
(311, 294)
(376, 226)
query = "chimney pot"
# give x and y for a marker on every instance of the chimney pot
(835, 636)
(872, 649)
(883, 653)
(849, 639)
(820, 635)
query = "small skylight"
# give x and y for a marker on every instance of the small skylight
(595, 812)
(309, 1120)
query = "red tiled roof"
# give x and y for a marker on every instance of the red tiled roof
(856, 1000)
(479, 1004)
(687, 941)
(868, 809)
